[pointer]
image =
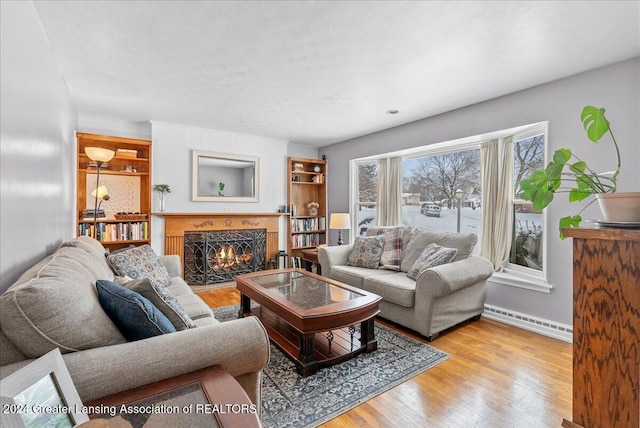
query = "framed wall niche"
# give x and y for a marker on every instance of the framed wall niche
(224, 177)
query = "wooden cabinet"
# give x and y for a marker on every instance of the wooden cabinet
(606, 328)
(307, 180)
(128, 179)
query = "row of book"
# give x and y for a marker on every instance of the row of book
(110, 232)
(307, 240)
(305, 224)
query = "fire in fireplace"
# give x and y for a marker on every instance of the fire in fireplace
(218, 256)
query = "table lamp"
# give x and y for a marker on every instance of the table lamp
(340, 221)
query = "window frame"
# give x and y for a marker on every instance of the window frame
(512, 274)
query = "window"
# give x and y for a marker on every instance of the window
(432, 174)
(527, 249)
(430, 187)
(367, 190)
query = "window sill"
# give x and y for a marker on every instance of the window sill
(521, 281)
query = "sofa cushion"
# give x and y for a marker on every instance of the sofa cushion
(95, 253)
(421, 238)
(178, 287)
(136, 317)
(162, 298)
(395, 288)
(433, 255)
(194, 306)
(355, 275)
(392, 250)
(139, 262)
(88, 244)
(55, 305)
(366, 252)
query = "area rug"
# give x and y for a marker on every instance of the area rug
(289, 400)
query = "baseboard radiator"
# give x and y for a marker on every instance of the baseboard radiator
(542, 326)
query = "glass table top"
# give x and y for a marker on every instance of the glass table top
(304, 291)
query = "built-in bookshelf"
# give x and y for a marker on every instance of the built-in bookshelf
(306, 185)
(124, 216)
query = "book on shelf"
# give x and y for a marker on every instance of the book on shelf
(127, 153)
(307, 240)
(125, 231)
(307, 224)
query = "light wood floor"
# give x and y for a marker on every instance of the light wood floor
(498, 376)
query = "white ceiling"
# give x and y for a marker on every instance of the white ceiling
(319, 72)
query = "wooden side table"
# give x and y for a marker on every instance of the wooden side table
(210, 397)
(310, 257)
(606, 328)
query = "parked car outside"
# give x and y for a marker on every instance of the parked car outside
(430, 209)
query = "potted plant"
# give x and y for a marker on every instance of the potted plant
(583, 182)
(221, 189)
(163, 189)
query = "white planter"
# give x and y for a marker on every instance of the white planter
(620, 206)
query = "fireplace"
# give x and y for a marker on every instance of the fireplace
(218, 256)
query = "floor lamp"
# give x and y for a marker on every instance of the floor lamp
(100, 156)
(340, 221)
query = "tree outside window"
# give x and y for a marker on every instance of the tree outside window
(367, 191)
(433, 180)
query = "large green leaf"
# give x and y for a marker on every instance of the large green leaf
(594, 122)
(569, 221)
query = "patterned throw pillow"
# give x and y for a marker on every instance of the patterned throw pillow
(366, 252)
(136, 317)
(139, 262)
(392, 251)
(142, 262)
(432, 255)
(163, 299)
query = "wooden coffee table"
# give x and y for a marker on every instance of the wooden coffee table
(312, 319)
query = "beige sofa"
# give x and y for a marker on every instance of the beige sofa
(55, 305)
(441, 297)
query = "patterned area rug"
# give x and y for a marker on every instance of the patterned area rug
(291, 401)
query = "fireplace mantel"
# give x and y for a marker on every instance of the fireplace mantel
(176, 224)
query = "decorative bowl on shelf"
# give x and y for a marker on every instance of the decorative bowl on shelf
(130, 216)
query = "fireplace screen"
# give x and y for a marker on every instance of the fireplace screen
(218, 256)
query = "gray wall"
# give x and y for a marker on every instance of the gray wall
(615, 88)
(37, 135)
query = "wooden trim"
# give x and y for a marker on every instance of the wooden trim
(176, 224)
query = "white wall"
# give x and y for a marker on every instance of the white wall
(616, 88)
(37, 145)
(172, 151)
(116, 128)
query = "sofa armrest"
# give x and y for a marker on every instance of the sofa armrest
(240, 346)
(172, 263)
(333, 256)
(450, 277)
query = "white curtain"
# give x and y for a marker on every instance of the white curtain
(497, 200)
(389, 207)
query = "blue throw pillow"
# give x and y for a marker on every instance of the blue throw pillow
(135, 316)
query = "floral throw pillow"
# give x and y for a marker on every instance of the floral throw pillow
(433, 255)
(139, 262)
(366, 252)
(142, 263)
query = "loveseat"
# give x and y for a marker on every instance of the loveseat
(55, 304)
(438, 298)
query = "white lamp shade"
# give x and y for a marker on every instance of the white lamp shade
(101, 192)
(99, 154)
(340, 221)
